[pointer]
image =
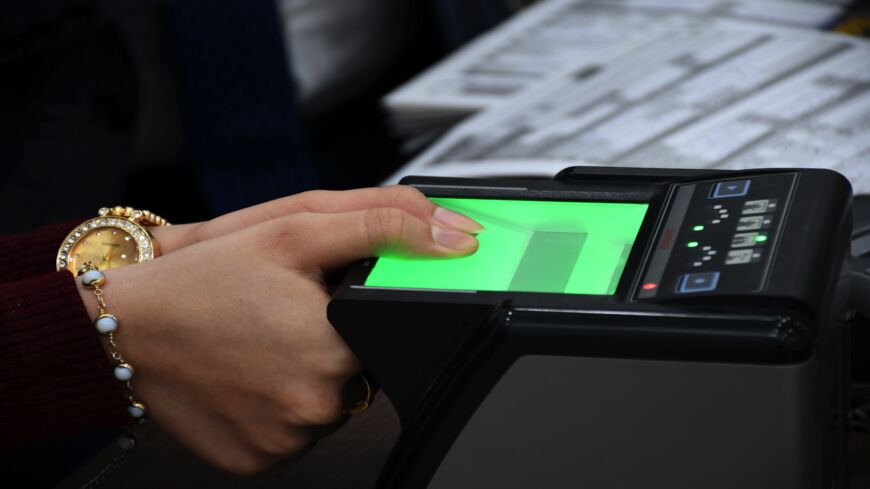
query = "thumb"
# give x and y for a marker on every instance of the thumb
(334, 240)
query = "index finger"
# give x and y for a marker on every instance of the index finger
(325, 242)
(402, 197)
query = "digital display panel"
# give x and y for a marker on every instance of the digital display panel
(528, 246)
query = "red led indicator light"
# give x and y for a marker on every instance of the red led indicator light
(649, 286)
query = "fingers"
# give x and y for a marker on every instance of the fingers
(249, 438)
(398, 196)
(329, 241)
(175, 237)
(402, 197)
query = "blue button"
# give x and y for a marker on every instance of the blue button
(736, 188)
(698, 282)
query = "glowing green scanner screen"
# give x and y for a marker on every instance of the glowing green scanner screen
(528, 246)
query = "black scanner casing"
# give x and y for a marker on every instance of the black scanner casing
(438, 354)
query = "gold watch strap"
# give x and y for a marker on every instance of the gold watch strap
(140, 216)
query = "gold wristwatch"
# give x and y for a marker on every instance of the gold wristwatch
(115, 238)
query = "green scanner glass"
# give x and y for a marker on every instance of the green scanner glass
(528, 246)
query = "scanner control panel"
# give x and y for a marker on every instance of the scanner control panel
(717, 237)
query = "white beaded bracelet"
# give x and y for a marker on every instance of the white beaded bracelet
(107, 324)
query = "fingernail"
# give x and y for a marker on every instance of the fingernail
(455, 240)
(456, 220)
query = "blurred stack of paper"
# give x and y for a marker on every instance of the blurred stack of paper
(697, 86)
(556, 36)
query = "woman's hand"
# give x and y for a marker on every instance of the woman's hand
(233, 352)
(409, 199)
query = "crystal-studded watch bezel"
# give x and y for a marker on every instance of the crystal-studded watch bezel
(143, 240)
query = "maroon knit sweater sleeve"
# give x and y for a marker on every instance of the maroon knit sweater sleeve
(55, 378)
(33, 253)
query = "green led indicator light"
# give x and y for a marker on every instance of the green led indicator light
(760, 238)
(692, 244)
(698, 228)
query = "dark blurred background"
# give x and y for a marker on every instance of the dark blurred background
(196, 108)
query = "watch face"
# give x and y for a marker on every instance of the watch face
(106, 243)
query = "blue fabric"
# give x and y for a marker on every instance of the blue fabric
(239, 100)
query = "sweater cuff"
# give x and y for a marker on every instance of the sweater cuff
(55, 377)
(30, 254)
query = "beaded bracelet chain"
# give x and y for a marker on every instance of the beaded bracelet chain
(107, 324)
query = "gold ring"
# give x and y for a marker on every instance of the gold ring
(364, 404)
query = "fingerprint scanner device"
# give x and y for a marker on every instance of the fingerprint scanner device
(618, 328)
(529, 246)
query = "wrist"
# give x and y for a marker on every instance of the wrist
(108, 325)
(115, 296)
